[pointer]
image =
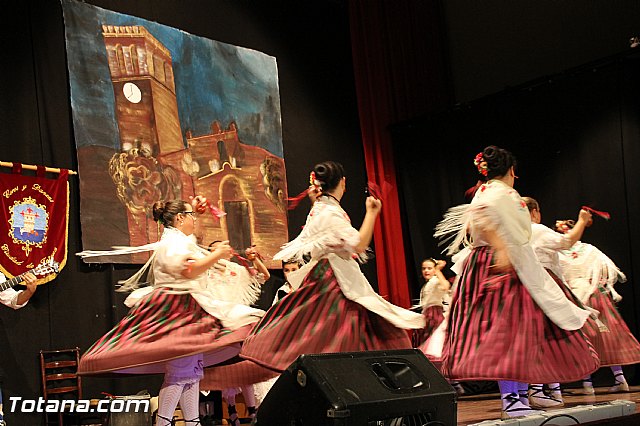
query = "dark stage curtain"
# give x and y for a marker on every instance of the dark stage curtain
(576, 137)
(400, 72)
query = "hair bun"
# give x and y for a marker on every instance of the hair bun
(498, 160)
(158, 210)
(328, 174)
(321, 171)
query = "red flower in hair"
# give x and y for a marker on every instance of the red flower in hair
(481, 164)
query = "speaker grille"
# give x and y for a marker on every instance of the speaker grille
(420, 419)
(373, 388)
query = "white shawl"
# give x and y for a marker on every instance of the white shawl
(585, 268)
(328, 234)
(498, 207)
(221, 299)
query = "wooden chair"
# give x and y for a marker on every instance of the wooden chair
(60, 380)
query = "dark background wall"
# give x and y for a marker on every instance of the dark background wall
(491, 44)
(573, 125)
(498, 43)
(576, 139)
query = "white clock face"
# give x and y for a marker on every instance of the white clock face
(132, 93)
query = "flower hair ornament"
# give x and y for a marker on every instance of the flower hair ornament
(313, 183)
(481, 164)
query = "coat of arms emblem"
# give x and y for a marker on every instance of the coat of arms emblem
(29, 224)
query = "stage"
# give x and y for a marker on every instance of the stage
(477, 408)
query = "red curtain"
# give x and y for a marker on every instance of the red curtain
(400, 69)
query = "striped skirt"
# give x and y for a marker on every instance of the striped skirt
(433, 316)
(497, 332)
(162, 327)
(619, 346)
(316, 318)
(591, 329)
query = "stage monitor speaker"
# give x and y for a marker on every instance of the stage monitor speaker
(375, 388)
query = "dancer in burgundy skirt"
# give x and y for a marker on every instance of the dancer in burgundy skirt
(333, 307)
(177, 326)
(591, 275)
(432, 296)
(547, 245)
(509, 321)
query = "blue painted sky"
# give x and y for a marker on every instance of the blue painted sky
(214, 81)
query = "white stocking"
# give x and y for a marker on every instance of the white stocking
(189, 403)
(249, 396)
(167, 402)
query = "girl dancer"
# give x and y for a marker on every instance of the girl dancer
(435, 298)
(333, 308)
(178, 326)
(288, 266)
(547, 244)
(432, 296)
(508, 319)
(591, 275)
(228, 273)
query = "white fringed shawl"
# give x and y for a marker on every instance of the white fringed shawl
(585, 268)
(328, 234)
(496, 206)
(224, 294)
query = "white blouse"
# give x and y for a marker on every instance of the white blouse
(432, 294)
(218, 296)
(547, 243)
(497, 206)
(328, 234)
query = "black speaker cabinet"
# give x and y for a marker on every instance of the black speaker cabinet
(376, 388)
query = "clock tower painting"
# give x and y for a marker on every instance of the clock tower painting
(144, 135)
(149, 126)
(145, 94)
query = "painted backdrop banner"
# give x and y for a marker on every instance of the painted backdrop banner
(161, 114)
(34, 221)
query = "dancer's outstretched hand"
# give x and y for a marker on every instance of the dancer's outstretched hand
(373, 205)
(199, 203)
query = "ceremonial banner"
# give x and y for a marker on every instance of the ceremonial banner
(160, 114)
(34, 219)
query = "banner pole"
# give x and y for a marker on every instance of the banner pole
(31, 167)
